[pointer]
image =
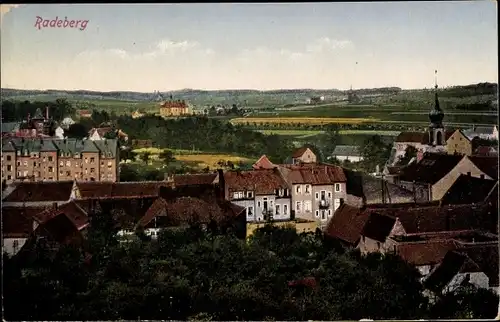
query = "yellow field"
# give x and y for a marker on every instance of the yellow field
(303, 120)
(209, 160)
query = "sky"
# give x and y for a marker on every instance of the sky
(148, 47)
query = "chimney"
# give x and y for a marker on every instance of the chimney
(222, 184)
(47, 112)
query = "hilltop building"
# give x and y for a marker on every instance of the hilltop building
(38, 126)
(174, 108)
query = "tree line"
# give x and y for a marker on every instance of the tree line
(202, 275)
(18, 111)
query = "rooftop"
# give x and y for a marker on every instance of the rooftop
(313, 173)
(40, 192)
(263, 182)
(432, 168)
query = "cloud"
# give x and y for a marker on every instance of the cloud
(327, 44)
(163, 48)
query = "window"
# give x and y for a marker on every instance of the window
(8, 158)
(297, 206)
(337, 187)
(92, 170)
(250, 211)
(280, 192)
(9, 177)
(329, 212)
(308, 188)
(258, 204)
(86, 160)
(51, 169)
(336, 204)
(18, 163)
(316, 195)
(317, 213)
(61, 163)
(323, 194)
(68, 173)
(298, 190)
(323, 215)
(277, 209)
(92, 160)
(329, 195)
(307, 206)
(110, 163)
(50, 159)
(285, 209)
(51, 178)
(249, 194)
(9, 168)
(25, 173)
(68, 163)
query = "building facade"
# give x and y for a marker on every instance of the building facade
(459, 143)
(59, 160)
(174, 108)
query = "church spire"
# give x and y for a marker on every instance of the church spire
(436, 115)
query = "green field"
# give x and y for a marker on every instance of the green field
(300, 134)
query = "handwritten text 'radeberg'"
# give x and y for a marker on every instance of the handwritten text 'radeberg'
(59, 23)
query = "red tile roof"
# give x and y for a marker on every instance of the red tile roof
(378, 227)
(17, 222)
(120, 190)
(413, 137)
(75, 214)
(425, 253)
(488, 165)
(263, 182)
(41, 191)
(432, 168)
(100, 130)
(314, 174)
(263, 163)
(300, 152)
(189, 210)
(347, 224)
(194, 179)
(174, 104)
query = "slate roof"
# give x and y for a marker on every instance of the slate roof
(194, 179)
(346, 150)
(120, 190)
(488, 165)
(9, 127)
(40, 191)
(467, 190)
(263, 163)
(432, 168)
(362, 185)
(314, 174)
(63, 146)
(262, 182)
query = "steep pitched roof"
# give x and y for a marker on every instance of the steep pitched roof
(347, 224)
(314, 174)
(432, 168)
(488, 165)
(101, 131)
(120, 190)
(450, 266)
(413, 137)
(76, 214)
(263, 163)
(89, 146)
(40, 191)
(378, 227)
(467, 190)
(263, 182)
(194, 179)
(299, 152)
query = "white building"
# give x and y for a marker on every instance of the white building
(347, 152)
(483, 132)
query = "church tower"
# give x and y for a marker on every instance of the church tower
(436, 115)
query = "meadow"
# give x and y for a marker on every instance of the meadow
(196, 159)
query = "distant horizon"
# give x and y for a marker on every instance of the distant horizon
(244, 89)
(255, 46)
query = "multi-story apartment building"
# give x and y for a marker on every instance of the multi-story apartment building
(317, 190)
(264, 194)
(33, 159)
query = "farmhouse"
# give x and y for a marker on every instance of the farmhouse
(347, 153)
(303, 155)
